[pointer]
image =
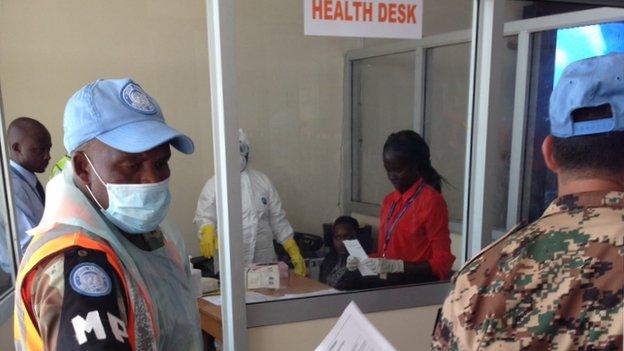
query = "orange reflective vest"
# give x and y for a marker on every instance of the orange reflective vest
(48, 245)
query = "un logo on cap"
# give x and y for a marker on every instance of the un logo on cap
(133, 96)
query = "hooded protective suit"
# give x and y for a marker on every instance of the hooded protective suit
(263, 217)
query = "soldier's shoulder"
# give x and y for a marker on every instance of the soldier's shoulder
(492, 249)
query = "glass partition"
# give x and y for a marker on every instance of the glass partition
(316, 112)
(6, 249)
(447, 71)
(50, 50)
(553, 50)
(383, 98)
(317, 125)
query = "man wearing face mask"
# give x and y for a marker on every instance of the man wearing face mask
(263, 217)
(105, 269)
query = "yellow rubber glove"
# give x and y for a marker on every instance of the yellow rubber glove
(208, 240)
(295, 256)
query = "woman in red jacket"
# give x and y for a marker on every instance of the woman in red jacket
(414, 243)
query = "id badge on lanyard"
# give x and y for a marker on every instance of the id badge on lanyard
(391, 224)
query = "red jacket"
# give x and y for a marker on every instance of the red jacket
(421, 233)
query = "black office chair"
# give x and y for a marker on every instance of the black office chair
(308, 244)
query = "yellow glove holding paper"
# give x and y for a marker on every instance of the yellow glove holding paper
(295, 256)
(208, 240)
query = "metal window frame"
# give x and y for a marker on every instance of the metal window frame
(221, 53)
(12, 240)
(481, 153)
(523, 29)
(351, 147)
(220, 20)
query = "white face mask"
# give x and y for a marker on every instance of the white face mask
(135, 208)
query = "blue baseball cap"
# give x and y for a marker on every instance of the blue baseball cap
(591, 82)
(120, 114)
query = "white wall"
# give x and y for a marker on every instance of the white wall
(407, 329)
(49, 49)
(290, 105)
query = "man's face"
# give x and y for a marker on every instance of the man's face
(120, 167)
(34, 151)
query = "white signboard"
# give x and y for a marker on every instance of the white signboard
(364, 18)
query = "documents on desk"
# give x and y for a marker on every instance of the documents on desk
(355, 249)
(263, 277)
(254, 297)
(354, 331)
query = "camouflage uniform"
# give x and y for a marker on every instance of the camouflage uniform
(554, 284)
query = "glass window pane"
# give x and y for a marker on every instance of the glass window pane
(446, 105)
(6, 263)
(503, 124)
(383, 99)
(552, 51)
(6, 251)
(524, 9)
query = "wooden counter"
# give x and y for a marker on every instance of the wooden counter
(210, 314)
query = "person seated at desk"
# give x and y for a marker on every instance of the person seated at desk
(264, 218)
(334, 270)
(29, 152)
(414, 243)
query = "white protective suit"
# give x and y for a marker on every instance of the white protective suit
(263, 216)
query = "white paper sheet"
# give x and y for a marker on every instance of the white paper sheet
(354, 332)
(355, 249)
(250, 297)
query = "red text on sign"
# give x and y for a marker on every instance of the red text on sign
(397, 13)
(342, 10)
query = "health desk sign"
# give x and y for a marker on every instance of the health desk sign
(362, 18)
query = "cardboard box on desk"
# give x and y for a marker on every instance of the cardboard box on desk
(262, 277)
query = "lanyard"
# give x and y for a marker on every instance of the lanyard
(21, 176)
(391, 224)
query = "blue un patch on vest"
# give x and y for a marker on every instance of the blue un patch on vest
(90, 279)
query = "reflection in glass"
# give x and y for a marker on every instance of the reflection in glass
(6, 253)
(6, 244)
(383, 102)
(446, 105)
(334, 271)
(414, 243)
(552, 51)
(29, 144)
(579, 43)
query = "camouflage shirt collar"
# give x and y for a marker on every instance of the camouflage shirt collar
(576, 201)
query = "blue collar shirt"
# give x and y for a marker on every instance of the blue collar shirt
(26, 201)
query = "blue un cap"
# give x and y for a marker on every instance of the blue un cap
(120, 114)
(591, 82)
